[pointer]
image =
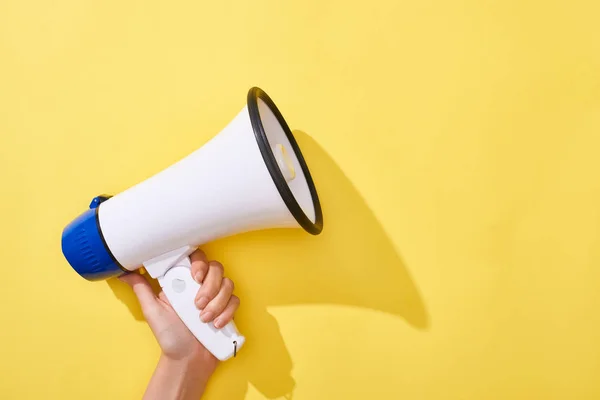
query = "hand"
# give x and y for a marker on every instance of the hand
(181, 352)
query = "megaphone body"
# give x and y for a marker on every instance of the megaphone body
(250, 176)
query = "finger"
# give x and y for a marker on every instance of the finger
(199, 265)
(163, 297)
(227, 315)
(218, 304)
(211, 284)
(142, 289)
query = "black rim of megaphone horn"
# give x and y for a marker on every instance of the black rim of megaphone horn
(315, 228)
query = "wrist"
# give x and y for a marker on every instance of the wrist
(199, 363)
(183, 378)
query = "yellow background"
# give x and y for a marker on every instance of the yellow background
(455, 148)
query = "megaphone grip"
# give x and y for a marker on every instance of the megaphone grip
(181, 289)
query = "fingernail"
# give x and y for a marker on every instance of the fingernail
(199, 276)
(218, 323)
(206, 316)
(202, 302)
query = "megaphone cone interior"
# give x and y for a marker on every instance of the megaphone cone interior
(287, 167)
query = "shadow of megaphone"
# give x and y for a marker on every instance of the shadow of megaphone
(352, 262)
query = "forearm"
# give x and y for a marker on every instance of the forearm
(178, 380)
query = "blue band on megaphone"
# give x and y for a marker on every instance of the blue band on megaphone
(85, 249)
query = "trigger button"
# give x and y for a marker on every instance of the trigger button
(178, 285)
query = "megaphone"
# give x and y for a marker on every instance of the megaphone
(250, 176)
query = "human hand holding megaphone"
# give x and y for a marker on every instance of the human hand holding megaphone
(215, 300)
(250, 176)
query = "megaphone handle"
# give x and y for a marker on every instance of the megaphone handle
(181, 289)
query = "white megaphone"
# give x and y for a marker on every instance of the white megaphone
(251, 176)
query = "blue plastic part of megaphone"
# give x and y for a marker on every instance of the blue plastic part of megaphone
(85, 249)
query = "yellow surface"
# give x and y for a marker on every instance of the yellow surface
(455, 147)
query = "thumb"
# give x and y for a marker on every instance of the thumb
(142, 289)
